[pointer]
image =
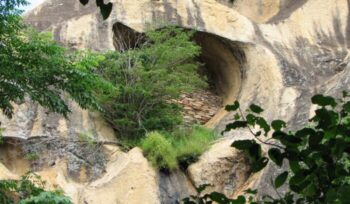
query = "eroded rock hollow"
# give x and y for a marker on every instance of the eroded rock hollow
(274, 53)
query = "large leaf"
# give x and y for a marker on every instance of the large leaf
(263, 124)
(232, 107)
(256, 109)
(305, 132)
(243, 144)
(259, 164)
(276, 156)
(235, 125)
(346, 107)
(255, 151)
(281, 179)
(218, 197)
(202, 187)
(315, 139)
(278, 124)
(323, 100)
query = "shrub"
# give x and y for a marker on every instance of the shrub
(159, 151)
(147, 77)
(29, 190)
(181, 147)
(318, 155)
(190, 143)
(34, 66)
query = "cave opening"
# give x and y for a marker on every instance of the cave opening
(221, 63)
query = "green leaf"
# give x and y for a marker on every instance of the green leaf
(251, 119)
(315, 139)
(281, 179)
(344, 194)
(84, 2)
(256, 109)
(298, 177)
(310, 190)
(218, 197)
(305, 132)
(278, 124)
(240, 200)
(259, 164)
(263, 124)
(255, 151)
(294, 166)
(235, 125)
(251, 191)
(331, 195)
(276, 156)
(346, 107)
(323, 100)
(232, 107)
(290, 140)
(243, 144)
(202, 187)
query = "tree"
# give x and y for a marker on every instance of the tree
(33, 65)
(318, 155)
(147, 77)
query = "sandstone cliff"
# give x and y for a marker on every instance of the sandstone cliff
(275, 53)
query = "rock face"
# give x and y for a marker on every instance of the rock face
(274, 53)
(225, 168)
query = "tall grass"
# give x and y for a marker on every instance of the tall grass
(178, 148)
(159, 151)
(190, 146)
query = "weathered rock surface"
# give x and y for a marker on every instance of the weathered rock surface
(275, 53)
(223, 167)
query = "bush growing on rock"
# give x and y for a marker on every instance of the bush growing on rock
(190, 143)
(168, 151)
(159, 68)
(159, 151)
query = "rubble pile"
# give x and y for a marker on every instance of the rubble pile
(199, 107)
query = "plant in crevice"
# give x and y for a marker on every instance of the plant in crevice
(146, 78)
(159, 151)
(170, 150)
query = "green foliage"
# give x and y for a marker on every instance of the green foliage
(146, 78)
(47, 198)
(31, 156)
(210, 198)
(181, 147)
(33, 65)
(159, 151)
(29, 190)
(190, 143)
(317, 155)
(87, 138)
